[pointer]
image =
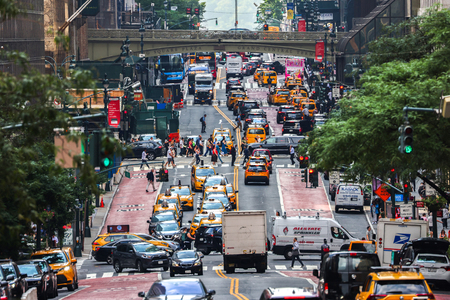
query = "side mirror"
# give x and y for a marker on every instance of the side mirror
(190, 221)
(141, 294)
(211, 292)
(130, 251)
(236, 191)
(4, 284)
(10, 277)
(73, 260)
(316, 273)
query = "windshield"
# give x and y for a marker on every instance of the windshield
(28, 269)
(432, 259)
(172, 226)
(258, 160)
(173, 287)
(238, 96)
(41, 265)
(223, 198)
(213, 193)
(213, 181)
(230, 189)
(186, 254)
(256, 131)
(171, 63)
(144, 247)
(259, 121)
(220, 137)
(308, 106)
(168, 200)
(212, 205)
(162, 218)
(204, 172)
(250, 104)
(346, 231)
(400, 287)
(181, 191)
(52, 258)
(203, 82)
(283, 93)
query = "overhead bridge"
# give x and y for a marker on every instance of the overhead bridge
(104, 44)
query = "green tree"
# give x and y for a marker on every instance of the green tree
(276, 13)
(363, 133)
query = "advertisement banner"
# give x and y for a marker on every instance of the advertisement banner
(114, 112)
(301, 25)
(290, 10)
(320, 50)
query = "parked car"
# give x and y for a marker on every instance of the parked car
(180, 288)
(52, 286)
(154, 150)
(12, 274)
(140, 256)
(35, 278)
(277, 144)
(186, 262)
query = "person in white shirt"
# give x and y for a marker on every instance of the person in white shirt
(144, 159)
(170, 157)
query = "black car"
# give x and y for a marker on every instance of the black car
(277, 67)
(168, 230)
(342, 273)
(281, 111)
(231, 82)
(208, 238)
(293, 115)
(258, 111)
(17, 282)
(277, 144)
(154, 150)
(186, 262)
(251, 67)
(246, 69)
(180, 288)
(140, 256)
(292, 126)
(161, 217)
(289, 293)
(35, 278)
(245, 106)
(52, 283)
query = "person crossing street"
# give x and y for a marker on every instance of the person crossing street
(296, 253)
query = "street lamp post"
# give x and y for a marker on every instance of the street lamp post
(165, 11)
(105, 98)
(142, 30)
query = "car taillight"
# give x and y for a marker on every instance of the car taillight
(285, 118)
(337, 192)
(279, 112)
(362, 192)
(274, 240)
(95, 243)
(247, 120)
(325, 288)
(282, 129)
(446, 268)
(160, 147)
(375, 297)
(430, 296)
(353, 254)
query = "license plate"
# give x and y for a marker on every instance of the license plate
(187, 271)
(200, 239)
(160, 262)
(431, 270)
(354, 199)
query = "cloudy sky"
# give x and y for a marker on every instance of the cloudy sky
(223, 10)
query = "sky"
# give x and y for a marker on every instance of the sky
(224, 10)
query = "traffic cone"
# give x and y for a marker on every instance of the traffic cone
(101, 203)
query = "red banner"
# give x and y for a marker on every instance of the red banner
(320, 50)
(301, 25)
(114, 112)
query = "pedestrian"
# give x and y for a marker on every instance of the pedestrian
(190, 148)
(208, 147)
(292, 153)
(422, 191)
(214, 156)
(55, 241)
(144, 159)
(324, 249)
(246, 154)
(197, 154)
(166, 144)
(199, 143)
(296, 253)
(239, 123)
(444, 217)
(443, 235)
(170, 158)
(183, 239)
(203, 120)
(424, 217)
(430, 222)
(233, 155)
(182, 147)
(218, 153)
(190, 239)
(151, 179)
(224, 147)
(369, 233)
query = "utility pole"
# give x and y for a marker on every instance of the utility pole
(235, 15)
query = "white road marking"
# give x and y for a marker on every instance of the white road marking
(108, 274)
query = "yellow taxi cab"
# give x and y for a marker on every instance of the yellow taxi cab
(299, 99)
(171, 199)
(221, 131)
(252, 133)
(211, 219)
(186, 196)
(198, 176)
(224, 137)
(395, 285)
(106, 238)
(257, 74)
(267, 77)
(365, 246)
(165, 206)
(64, 263)
(259, 160)
(215, 189)
(280, 96)
(234, 97)
(231, 192)
(195, 222)
(257, 172)
(293, 82)
(311, 106)
(212, 205)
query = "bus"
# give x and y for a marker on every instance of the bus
(171, 68)
(210, 58)
(194, 70)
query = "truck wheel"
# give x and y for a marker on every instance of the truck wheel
(336, 208)
(361, 210)
(288, 254)
(260, 269)
(229, 270)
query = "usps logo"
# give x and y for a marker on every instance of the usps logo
(285, 230)
(401, 238)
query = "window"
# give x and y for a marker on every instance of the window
(256, 131)
(338, 233)
(362, 263)
(400, 287)
(270, 141)
(8, 270)
(52, 258)
(367, 284)
(342, 264)
(282, 140)
(433, 259)
(122, 248)
(176, 288)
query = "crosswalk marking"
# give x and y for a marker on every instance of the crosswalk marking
(91, 276)
(108, 274)
(280, 267)
(214, 268)
(124, 274)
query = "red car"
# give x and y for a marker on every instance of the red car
(266, 154)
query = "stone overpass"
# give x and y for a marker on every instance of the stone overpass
(104, 44)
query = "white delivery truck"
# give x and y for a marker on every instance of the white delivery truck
(244, 240)
(234, 66)
(204, 87)
(310, 232)
(393, 233)
(349, 196)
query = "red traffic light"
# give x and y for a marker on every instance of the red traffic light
(196, 11)
(306, 158)
(266, 27)
(188, 10)
(166, 171)
(341, 87)
(311, 171)
(392, 170)
(301, 157)
(125, 111)
(405, 185)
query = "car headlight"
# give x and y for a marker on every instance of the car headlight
(66, 268)
(197, 263)
(175, 264)
(13, 285)
(146, 256)
(39, 282)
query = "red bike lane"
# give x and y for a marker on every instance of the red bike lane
(132, 205)
(120, 287)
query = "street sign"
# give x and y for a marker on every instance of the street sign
(173, 8)
(141, 55)
(429, 191)
(423, 210)
(127, 174)
(97, 169)
(406, 210)
(334, 177)
(114, 112)
(268, 11)
(382, 193)
(420, 204)
(336, 92)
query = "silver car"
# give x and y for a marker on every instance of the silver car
(434, 267)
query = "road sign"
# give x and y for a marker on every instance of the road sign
(173, 8)
(429, 191)
(382, 192)
(420, 204)
(114, 112)
(336, 92)
(406, 210)
(127, 174)
(334, 177)
(268, 11)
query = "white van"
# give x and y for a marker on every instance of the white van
(349, 196)
(234, 66)
(310, 232)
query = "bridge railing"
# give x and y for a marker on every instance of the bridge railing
(204, 35)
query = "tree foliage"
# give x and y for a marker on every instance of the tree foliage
(275, 7)
(409, 70)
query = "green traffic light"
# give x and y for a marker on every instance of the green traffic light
(106, 162)
(408, 149)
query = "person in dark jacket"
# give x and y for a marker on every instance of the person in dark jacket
(151, 179)
(246, 154)
(324, 249)
(233, 155)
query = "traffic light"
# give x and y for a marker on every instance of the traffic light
(408, 139)
(303, 174)
(314, 177)
(197, 11)
(94, 148)
(125, 97)
(303, 161)
(266, 27)
(106, 158)
(188, 10)
(401, 138)
(130, 97)
(163, 175)
(341, 90)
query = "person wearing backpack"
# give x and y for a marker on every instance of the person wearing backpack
(203, 121)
